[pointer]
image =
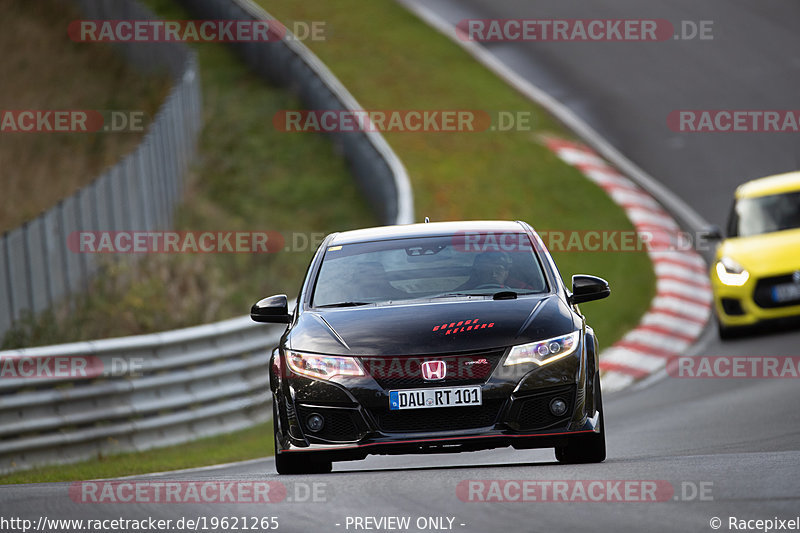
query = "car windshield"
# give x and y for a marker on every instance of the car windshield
(765, 214)
(405, 269)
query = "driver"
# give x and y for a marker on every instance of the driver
(373, 282)
(490, 269)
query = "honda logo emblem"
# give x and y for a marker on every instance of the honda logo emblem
(433, 370)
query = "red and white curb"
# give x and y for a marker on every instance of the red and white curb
(682, 305)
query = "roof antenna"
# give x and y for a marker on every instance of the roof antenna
(427, 220)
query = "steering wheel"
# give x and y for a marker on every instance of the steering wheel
(490, 286)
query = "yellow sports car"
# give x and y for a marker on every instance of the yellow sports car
(756, 273)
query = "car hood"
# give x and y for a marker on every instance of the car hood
(431, 328)
(767, 254)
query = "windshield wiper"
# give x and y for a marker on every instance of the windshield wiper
(506, 294)
(446, 294)
(345, 304)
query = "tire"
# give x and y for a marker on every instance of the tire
(586, 449)
(724, 332)
(298, 463)
(733, 332)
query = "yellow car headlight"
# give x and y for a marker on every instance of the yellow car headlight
(731, 273)
(543, 352)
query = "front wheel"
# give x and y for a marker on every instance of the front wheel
(725, 332)
(586, 449)
(299, 463)
(729, 332)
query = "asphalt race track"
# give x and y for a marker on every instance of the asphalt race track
(726, 447)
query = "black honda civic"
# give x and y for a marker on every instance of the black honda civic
(431, 338)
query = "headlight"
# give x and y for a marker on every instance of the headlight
(323, 366)
(545, 351)
(730, 272)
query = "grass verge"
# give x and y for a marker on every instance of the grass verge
(44, 70)
(239, 446)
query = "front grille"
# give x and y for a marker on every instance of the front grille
(732, 306)
(439, 418)
(763, 297)
(405, 372)
(341, 425)
(533, 412)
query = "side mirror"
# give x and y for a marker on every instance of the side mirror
(273, 310)
(712, 233)
(588, 288)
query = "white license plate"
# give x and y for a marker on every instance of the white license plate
(786, 292)
(439, 397)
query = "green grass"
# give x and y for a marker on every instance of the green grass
(390, 60)
(238, 446)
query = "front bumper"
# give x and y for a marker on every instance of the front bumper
(486, 441)
(749, 304)
(515, 412)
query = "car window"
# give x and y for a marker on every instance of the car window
(405, 269)
(765, 214)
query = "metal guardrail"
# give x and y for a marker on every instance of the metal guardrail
(37, 269)
(187, 383)
(132, 393)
